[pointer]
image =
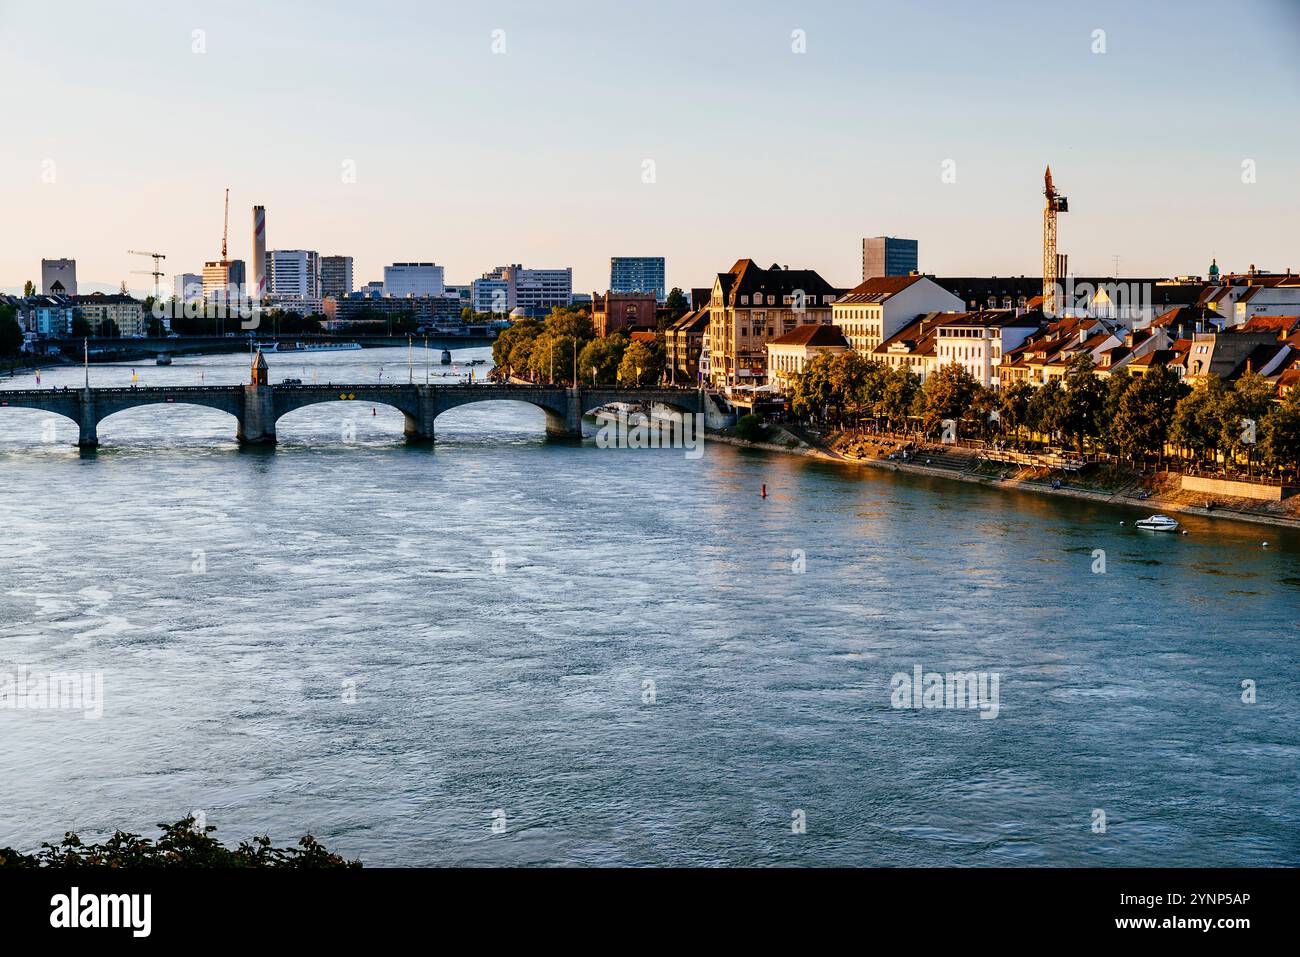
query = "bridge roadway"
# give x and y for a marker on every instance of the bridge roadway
(258, 408)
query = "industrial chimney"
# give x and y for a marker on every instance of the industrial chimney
(259, 253)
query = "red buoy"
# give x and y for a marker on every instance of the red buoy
(764, 490)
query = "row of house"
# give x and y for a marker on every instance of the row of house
(104, 313)
(756, 327)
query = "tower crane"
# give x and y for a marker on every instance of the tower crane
(156, 272)
(225, 228)
(1056, 203)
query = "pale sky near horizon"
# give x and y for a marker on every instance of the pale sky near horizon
(472, 159)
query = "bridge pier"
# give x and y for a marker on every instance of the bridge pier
(87, 421)
(419, 427)
(257, 424)
(569, 425)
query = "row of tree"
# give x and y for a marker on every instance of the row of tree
(543, 350)
(1134, 417)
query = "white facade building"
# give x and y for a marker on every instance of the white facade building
(506, 288)
(977, 341)
(880, 307)
(413, 279)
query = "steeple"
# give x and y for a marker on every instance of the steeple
(1214, 270)
(261, 373)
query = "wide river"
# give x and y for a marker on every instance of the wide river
(504, 650)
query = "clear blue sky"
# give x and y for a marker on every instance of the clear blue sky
(473, 159)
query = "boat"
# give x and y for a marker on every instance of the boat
(267, 346)
(321, 347)
(1157, 523)
(290, 381)
(446, 357)
(163, 359)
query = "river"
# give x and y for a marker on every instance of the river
(504, 650)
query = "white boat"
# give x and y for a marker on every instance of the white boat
(1157, 523)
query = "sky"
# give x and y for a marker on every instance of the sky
(553, 134)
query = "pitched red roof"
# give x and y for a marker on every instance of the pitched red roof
(812, 334)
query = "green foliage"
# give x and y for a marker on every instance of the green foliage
(1196, 419)
(1082, 401)
(11, 333)
(641, 365)
(604, 356)
(750, 428)
(1146, 411)
(1280, 441)
(677, 305)
(947, 394)
(29, 289)
(181, 845)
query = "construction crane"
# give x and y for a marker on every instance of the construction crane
(225, 228)
(1056, 203)
(156, 272)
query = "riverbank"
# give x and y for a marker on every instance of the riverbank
(1236, 510)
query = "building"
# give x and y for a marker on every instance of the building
(108, 315)
(1136, 301)
(224, 280)
(976, 341)
(622, 312)
(878, 308)
(293, 274)
(888, 256)
(261, 262)
(788, 355)
(336, 276)
(187, 286)
(638, 274)
(506, 288)
(750, 306)
(913, 346)
(46, 315)
(684, 343)
(59, 277)
(359, 307)
(413, 279)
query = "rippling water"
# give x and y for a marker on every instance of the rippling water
(502, 602)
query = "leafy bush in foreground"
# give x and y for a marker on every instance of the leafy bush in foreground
(181, 845)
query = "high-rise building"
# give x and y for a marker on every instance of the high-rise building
(187, 286)
(888, 256)
(294, 273)
(259, 253)
(336, 276)
(509, 287)
(637, 274)
(59, 277)
(413, 279)
(224, 279)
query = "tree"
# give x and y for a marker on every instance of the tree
(947, 394)
(1082, 401)
(750, 428)
(1281, 433)
(1196, 419)
(641, 365)
(11, 333)
(1013, 407)
(1241, 410)
(604, 356)
(551, 358)
(1044, 411)
(901, 387)
(810, 391)
(522, 333)
(572, 321)
(1116, 385)
(1145, 412)
(677, 304)
(29, 289)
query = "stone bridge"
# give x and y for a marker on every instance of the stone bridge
(257, 408)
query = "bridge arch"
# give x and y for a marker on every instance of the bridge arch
(359, 405)
(38, 415)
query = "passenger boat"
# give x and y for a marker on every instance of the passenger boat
(446, 357)
(163, 359)
(1157, 523)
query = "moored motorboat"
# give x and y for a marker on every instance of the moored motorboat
(1157, 523)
